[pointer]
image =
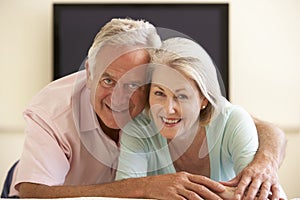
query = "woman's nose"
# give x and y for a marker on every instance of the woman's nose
(171, 106)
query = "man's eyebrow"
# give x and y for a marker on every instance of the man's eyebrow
(105, 74)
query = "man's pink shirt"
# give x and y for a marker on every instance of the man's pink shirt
(64, 144)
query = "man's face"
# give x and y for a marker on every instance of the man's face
(120, 93)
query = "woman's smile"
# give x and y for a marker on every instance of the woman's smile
(170, 121)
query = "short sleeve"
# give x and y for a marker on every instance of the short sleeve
(240, 138)
(43, 160)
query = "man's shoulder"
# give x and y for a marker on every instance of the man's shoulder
(56, 98)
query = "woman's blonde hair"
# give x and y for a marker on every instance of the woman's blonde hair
(190, 59)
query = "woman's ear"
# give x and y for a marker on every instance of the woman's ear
(88, 75)
(204, 103)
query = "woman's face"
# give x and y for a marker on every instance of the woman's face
(175, 102)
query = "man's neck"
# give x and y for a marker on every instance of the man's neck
(111, 133)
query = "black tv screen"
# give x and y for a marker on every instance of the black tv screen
(75, 26)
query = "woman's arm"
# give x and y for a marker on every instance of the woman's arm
(133, 158)
(243, 138)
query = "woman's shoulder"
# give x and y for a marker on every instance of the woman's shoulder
(141, 126)
(231, 111)
(233, 119)
(229, 116)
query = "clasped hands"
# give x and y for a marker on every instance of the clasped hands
(183, 185)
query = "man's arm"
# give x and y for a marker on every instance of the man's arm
(272, 142)
(261, 175)
(169, 186)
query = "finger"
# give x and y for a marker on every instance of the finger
(228, 194)
(190, 195)
(207, 182)
(176, 197)
(253, 189)
(201, 191)
(242, 186)
(275, 191)
(264, 191)
(232, 183)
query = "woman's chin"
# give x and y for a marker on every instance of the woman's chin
(167, 136)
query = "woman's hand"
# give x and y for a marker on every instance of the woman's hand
(182, 185)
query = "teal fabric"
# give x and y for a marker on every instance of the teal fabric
(231, 137)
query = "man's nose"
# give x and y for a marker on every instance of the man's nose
(120, 95)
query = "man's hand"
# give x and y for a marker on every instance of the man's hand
(228, 194)
(177, 186)
(182, 185)
(259, 179)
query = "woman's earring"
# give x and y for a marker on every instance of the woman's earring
(203, 107)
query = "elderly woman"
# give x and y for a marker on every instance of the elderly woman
(189, 126)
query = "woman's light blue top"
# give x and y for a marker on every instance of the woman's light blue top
(231, 142)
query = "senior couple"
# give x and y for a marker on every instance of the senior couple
(145, 119)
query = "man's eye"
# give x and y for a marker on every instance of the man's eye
(107, 82)
(133, 85)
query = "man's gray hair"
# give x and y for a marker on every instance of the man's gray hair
(123, 33)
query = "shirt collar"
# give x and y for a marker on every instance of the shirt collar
(87, 116)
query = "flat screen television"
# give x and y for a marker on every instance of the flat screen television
(75, 26)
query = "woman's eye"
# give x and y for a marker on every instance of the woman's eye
(182, 96)
(158, 93)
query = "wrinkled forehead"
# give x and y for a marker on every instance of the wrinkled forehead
(136, 74)
(109, 53)
(120, 59)
(171, 78)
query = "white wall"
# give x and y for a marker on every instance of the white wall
(264, 68)
(265, 61)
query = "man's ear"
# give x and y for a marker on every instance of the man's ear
(88, 75)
